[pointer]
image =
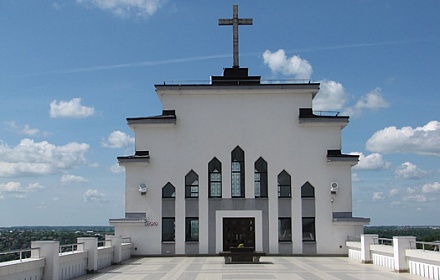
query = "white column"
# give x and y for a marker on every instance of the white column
(91, 246)
(366, 241)
(49, 250)
(400, 244)
(116, 242)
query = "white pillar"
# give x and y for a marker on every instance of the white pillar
(117, 248)
(400, 244)
(366, 241)
(49, 250)
(91, 246)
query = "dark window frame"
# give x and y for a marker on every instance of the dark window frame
(192, 185)
(190, 234)
(214, 172)
(168, 191)
(168, 229)
(308, 229)
(284, 185)
(284, 229)
(237, 173)
(260, 178)
(307, 190)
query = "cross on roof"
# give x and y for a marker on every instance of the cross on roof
(235, 22)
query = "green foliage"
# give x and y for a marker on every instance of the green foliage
(425, 234)
(19, 238)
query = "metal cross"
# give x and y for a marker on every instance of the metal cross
(235, 22)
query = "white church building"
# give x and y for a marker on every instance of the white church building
(236, 161)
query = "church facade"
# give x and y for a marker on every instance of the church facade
(238, 161)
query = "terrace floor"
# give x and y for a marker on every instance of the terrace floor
(273, 267)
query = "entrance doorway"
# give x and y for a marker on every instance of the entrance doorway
(238, 230)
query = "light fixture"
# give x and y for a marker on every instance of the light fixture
(334, 187)
(143, 188)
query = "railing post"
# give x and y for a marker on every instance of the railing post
(117, 247)
(400, 244)
(49, 251)
(91, 246)
(366, 241)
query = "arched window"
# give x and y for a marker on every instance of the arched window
(260, 178)
(191, 185)
(284, 185)
(237, 172)
(168, 191)
(215, 178)
(307, 190)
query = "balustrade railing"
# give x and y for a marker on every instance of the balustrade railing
(19, 254)
(383, 241)
(71, 248)
(428, 246)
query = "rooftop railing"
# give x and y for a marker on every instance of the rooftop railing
(428, 246)
(19, 254)
(383, 241)
(71, 248)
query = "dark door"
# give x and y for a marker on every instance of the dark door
(238, 230)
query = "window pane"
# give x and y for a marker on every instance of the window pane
(215, 178)
(168, 191)
(308, 229)
(284, 229)
(284, 186)
(192, 229)
(237, 172)
(307, 190)
(191, 184)
(168, 229)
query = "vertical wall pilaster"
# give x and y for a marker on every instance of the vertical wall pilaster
(400, 244)
(91, 246)
(49, 250)
(117, 248)
(366, 241)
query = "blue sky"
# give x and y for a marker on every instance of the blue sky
(72, 71)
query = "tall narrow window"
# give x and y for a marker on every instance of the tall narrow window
(237, 172)
(192, 229)
(308, 226)
(284, 229)
(260, 178)
(168, 191)
(191, 185)
(284, 185)
(307, 190)
(215, 178)
(168, 229)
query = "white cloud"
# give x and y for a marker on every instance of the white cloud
(355, 177)
(377, 196)
(94, 196)
(373, 162)
(16, 190)
(126, 8)
(415, 198)
(70, 109)
(331, 96)
(26, 129)
(407, 170)
(371, 101)
(429, 188)
(420, 140)
(71, 179)
(294, 66)
(393, 192)
(117, 139)
(116, 168)
(39, 158)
